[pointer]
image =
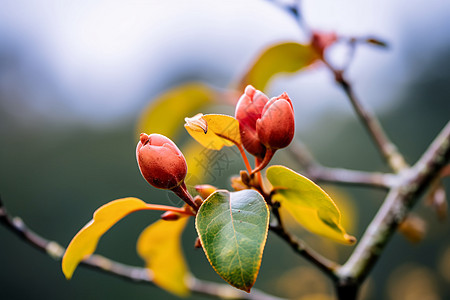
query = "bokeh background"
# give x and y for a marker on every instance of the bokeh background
(75, 77)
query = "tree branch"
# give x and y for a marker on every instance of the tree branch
(388, 150)
(353, 177)
(316, 172)
(394, 210)
(132, 273)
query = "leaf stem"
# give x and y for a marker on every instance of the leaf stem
(241, 150)
(180, 210)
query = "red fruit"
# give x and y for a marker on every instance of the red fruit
(248, 111)
(265, 126)
(160, 161)
(276, 126)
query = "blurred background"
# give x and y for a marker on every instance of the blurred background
(76, 76)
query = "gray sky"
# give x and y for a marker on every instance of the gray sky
(100, 61)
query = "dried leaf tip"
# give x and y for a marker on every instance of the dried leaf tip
(197, 123)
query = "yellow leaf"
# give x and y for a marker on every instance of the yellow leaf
(287, 57)
(159, 245)
(165, 114)
(85, 241)
(349, 216)
(308, 204)
(214, 131)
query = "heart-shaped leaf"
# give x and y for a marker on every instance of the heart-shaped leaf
(233, 229)
(214, 131)
(307, 203)
(281, 58)
(85, 241)
(159, 245)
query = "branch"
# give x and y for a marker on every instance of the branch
(327, 266)
(394, 210)
(388, 150)
(132, 273)
(316, 172)
(353, 177)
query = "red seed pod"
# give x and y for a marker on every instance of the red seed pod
(248, 111)
(265, 126)
(276, 126)
(160, 161)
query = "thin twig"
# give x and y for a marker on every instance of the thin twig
(327, 266)
(132, 273)
(395, 208)
(353, 177)
(316, 172)
(388, 150)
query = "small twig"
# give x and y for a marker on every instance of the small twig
(353, 42)
(316, 172)
(132, 273)
(327, 266)
(353, 177)
(388, 150)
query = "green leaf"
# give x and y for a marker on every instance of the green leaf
(233, 230)
(214, 131)
(282, 58)
(307, 203)
(165, 114)
(160, 246)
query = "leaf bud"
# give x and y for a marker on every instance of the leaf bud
(170, 216)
